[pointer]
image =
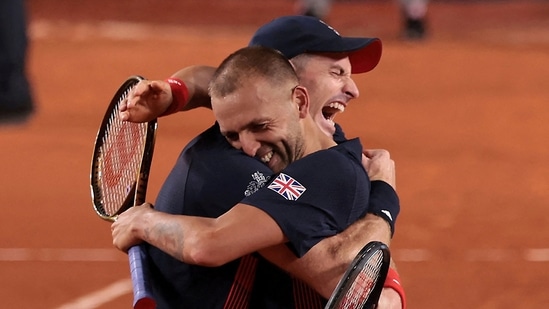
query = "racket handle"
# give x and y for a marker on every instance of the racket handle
(142, 292)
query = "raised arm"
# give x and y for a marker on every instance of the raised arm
(185, 90)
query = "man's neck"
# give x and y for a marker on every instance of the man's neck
(315, 138)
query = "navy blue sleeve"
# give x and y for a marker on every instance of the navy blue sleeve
(315, 197)
(384, 200)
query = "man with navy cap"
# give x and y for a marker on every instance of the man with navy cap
(210, 176)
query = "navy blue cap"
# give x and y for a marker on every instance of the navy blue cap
(295, 35)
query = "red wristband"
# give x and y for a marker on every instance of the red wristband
(180, 95)
(393, 281)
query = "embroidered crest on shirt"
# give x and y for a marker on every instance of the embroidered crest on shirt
(258, 182)
(288, 187)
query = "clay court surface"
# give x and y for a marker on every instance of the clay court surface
(464, 113)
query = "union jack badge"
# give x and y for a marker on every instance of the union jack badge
(288, 187)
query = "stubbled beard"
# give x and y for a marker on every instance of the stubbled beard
(294, 153)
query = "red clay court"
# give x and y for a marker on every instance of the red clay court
(464, 113)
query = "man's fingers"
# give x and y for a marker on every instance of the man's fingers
(155, 86)
(370, 153)
(376, 153)
(124, 116)
(366, 161)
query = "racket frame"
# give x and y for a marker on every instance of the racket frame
(137, 194)
(352, 272)
(142, 290)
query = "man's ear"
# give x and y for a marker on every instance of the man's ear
(301, 98)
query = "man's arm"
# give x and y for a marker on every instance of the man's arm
(154, 98)
(323, 266)
(197, 240)
(325, 263)
(240, 231)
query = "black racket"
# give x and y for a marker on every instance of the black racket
(361, 285)
(121, 162)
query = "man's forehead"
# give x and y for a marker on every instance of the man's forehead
(257, 99)
(318, 60)
(323, 56)
(235, 112)
(246, 120)
(335, 56)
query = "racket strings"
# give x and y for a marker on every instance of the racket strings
(120, 157)
(365, 281)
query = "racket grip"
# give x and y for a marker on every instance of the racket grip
(142, 292)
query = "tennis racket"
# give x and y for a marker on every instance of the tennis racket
(119, 173)
(361, 285)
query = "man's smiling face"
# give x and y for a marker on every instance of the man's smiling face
(327, 77)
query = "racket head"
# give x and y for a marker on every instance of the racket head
(121, 159)
(362, 282)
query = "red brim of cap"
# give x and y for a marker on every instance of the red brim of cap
(366, 59)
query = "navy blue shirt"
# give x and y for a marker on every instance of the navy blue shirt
(317, 196)
(209, 178)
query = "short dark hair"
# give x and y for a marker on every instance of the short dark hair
(251, 63)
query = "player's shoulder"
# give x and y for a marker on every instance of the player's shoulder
(344, 153)
(340, 162)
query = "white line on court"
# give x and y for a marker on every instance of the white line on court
(135, 31)
(537, 255)
(401, 255)
(57, 255)
(473, 255)
(100, 297)
(113, 30)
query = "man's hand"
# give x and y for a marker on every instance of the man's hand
(151, 98)
(124, 229)
(148, 100)
(389, 299)
(380, 166)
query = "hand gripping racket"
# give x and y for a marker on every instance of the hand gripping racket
(119, 173)
(361, 285)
